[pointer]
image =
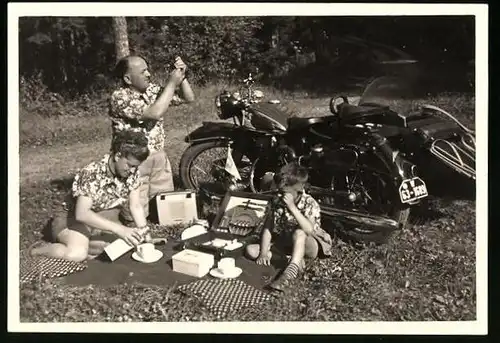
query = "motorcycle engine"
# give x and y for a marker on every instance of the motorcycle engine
(321, 158)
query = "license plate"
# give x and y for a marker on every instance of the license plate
(412, 189)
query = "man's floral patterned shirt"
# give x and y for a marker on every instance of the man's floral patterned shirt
(126, 108)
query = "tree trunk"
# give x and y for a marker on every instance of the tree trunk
(121, 37)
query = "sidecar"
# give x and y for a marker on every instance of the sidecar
(424, 136)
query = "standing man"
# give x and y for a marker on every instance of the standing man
(139, 105)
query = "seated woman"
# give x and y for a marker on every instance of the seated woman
(99, 190)
(294, 225)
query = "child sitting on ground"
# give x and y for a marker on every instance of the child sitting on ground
(294, 225)
(99, 191)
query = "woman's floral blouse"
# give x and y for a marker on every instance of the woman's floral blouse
(126, 108)
(106, 191)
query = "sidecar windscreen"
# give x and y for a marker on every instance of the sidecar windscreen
(387, 91)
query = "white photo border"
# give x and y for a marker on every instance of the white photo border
(480, 11)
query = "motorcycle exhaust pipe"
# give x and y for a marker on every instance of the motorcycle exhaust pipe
(360, 219)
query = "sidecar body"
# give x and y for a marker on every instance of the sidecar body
(421, 135)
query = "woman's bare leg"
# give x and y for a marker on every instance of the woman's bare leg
(71, 245)
(96, 247)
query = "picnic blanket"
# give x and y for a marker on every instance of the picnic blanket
(225, 297)
(103, 272)
(42, 267)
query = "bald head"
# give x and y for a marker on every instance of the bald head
(133, 71)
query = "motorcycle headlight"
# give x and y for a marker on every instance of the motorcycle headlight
(258, 94)
(217, 102)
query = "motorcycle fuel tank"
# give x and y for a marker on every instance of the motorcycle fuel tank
(268, 117)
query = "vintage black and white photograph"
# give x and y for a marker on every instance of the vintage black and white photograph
(312, 165)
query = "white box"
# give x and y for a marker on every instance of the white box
(176, 207)
(192, 262)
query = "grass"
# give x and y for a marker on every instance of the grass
(425, 273)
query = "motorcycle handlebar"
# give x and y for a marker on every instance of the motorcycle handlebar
(249, 79)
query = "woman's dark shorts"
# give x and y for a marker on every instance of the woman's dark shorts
(64, 218)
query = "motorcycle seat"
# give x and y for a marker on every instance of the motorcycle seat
(295, 123)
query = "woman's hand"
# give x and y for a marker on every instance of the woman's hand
(131, 236)
(148, 238)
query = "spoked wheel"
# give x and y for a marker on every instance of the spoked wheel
(202, 168)
(369, 193)
(261, 176)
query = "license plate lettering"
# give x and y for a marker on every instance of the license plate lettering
(412, 189)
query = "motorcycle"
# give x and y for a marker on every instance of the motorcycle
(363, 184)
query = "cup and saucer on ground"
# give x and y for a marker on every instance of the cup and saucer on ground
(226, 269)
(147, 253)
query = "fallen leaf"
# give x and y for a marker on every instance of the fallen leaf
(440, 299)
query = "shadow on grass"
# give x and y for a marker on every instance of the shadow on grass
(424, 78)
(62, 184)
(449, 185)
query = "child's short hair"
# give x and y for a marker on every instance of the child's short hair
(291, 174)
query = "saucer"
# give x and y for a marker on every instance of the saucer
(193, 231)
(155, 256)
(229, 275)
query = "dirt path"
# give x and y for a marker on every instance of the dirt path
(42, 164)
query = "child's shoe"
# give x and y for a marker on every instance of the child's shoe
(290, 273)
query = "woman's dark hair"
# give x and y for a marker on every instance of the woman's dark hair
(291, 174)
(130, 144)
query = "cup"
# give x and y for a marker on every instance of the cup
(145, 250)
(226, 264)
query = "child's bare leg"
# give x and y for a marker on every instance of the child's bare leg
(299, 246)
(72, 246)
(311, 248)
(253, 251)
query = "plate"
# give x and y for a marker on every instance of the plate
(157, 254)
(193, 231)
(217, 242)
(233, 246)
(230, 275)
(224, 243)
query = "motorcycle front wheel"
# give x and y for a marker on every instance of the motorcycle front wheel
(202, 168)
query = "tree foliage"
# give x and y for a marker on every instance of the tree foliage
(71, 55)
